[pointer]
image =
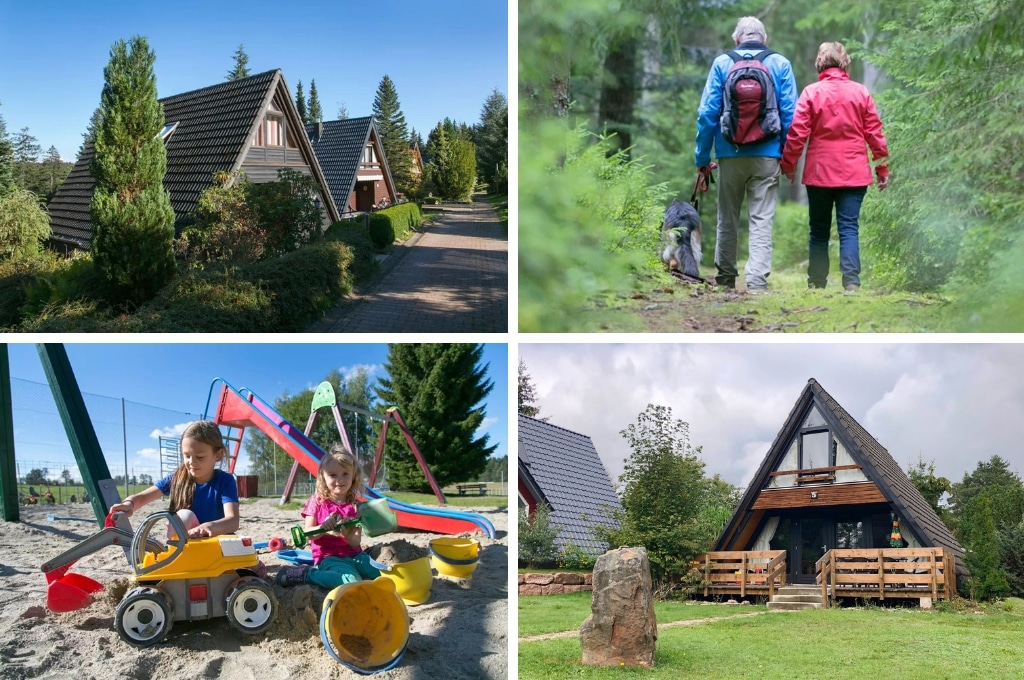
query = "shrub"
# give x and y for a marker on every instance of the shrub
(227, 227)
(286, 211)
(537, 536)
(398, 221)
(63, 280)
(382, 233)
(1011, 557)
(15, 278)
(24, 224)
(573, 557)
(356, 236)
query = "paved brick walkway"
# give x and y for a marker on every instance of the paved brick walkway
(452, 279)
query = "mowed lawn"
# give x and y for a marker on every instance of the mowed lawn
(859, 644)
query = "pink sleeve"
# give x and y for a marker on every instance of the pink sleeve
(310, 508)
(796, 138)
(874, 137)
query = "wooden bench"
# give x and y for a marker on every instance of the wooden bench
(479, 487)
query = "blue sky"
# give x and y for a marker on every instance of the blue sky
(445, 57)
(178, 377)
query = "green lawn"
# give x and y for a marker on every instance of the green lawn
(815, 644)
(453, 498)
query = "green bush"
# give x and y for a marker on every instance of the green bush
(24, 224)
(382, 233)
(537, 537)
(63, 280)
(15, 278)
(573, 557)
(286, 210)
(356, 236)
(398, 221)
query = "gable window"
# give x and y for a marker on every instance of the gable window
(369, 155)
(815, 450)
(271, 131)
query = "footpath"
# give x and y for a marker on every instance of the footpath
(451, 278)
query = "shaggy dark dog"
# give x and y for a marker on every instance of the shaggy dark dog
(680, 240)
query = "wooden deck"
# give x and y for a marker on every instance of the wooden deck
(743, 573)
(928, 574)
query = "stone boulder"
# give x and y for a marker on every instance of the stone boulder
(621, 629)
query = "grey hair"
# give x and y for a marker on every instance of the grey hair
(749, 28)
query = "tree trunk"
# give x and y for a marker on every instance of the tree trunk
(619, 89)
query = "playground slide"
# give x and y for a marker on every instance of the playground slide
(238, 410)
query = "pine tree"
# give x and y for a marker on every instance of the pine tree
(415, 140)
(300, 103)
(53, 167)
(491, 137)
(6, 159)
(342, 111)
(89, 136)
(393, 133)
(131, 211)
(316, 114)
(527, 393)
(26, 155)
(438, 389)
(241, 69)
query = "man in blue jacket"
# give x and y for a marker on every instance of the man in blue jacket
(748, 170)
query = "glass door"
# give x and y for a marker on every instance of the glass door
(810, 541)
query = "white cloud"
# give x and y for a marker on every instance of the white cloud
(371, 370)
(169, 432)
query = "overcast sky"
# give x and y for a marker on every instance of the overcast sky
(956, 404)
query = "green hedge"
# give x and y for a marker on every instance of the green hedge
(398, 221)
(285, 294)
(356, 236)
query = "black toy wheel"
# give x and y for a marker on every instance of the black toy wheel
(251, 606)
(144, 617)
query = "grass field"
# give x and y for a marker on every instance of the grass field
(831, 643)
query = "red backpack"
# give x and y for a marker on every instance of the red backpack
(750, 110)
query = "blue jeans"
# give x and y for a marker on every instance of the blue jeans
(334, 571)
(847, 201)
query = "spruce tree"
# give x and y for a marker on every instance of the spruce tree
(241, 69)
(131, 211)
(316, 114)
(6, 159)
(89, 136)
(491, 137)
(527, 393)
(26, 156)
(438, 388)
(300, 103)
(54, 170)
(393, 133)
(342, 111)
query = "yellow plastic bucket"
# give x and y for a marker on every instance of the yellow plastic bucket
(365, 625)
(412, 580)
(454, 557)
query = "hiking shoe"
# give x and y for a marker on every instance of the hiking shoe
(757, 291)
(852, 288)
(291, 576)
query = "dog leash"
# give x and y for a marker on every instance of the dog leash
(704, 180)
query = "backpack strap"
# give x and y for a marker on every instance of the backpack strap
(760, 56)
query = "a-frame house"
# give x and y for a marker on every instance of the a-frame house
(357, 172)
(248, 125)
(827, 484)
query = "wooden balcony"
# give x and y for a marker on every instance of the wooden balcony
(928, 574)
(743, 573)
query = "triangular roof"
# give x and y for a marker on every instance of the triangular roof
(565, 467)
(339, 147)
(875, 461)
(215, 127)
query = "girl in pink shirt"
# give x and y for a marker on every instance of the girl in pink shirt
(337, 555)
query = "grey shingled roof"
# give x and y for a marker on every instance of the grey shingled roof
(878, 465)
(339, 147)
(569, 472)
(215, 125)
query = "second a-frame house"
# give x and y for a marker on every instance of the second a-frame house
(248, 125)
(354, 163)
(827, 484)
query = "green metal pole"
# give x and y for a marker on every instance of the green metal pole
(81, 435)
(8, 470)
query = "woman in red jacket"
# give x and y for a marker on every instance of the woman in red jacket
(834, 118)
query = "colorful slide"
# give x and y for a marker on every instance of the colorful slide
(242, 409)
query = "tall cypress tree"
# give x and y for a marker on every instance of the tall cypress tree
(6, 159)
(439, 389)
(241, 69)
(131, 211)
(393, 132)
(300, 103)
(316, 114)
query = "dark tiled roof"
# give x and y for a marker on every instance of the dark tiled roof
(570, 474)
(214, 127)
(339, 147)
(878, 465)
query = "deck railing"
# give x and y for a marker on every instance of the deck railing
(886, 572)
(753, 572)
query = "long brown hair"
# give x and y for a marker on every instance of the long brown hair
(347, 461)
(183, 484)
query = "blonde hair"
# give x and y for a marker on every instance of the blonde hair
(183, 484)
(832, 55)
(347, 461)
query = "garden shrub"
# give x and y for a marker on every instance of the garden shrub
(227, 228)
(382, 233)
(15, 278)
(24, 224)
(286, 210)
(356, 236)
(537, 537)
(576, 558)
(398, 221)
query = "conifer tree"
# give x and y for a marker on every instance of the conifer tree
(6, 159)
(527, 393)
(316, 114)
(342, 111)
(89, 136)
(131, 211)
(393, 133)
(53, 168)
(300, 103)
(241, 69)
(26, 155)
(438, 388)
(491, 137)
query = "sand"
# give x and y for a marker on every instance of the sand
(460, 632)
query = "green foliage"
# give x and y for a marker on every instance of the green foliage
(398, 221)
(439, 390)
(6, 159)
(286, 210)
(382, 234)
(922, 476)
(451, 172)
(62, 280)
(227, 228)
(130, 209)
(586, 222)
(668, 505)
(573, 557)
(527, 392)
(987, 579)
(353, 234)
(1010, 542)
(491, 137)
(316, 114)
(496, 470)
(393, 133)
(1003, 486)
(537, 536)
(24, 224)
(241, 69)
(300, 103)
